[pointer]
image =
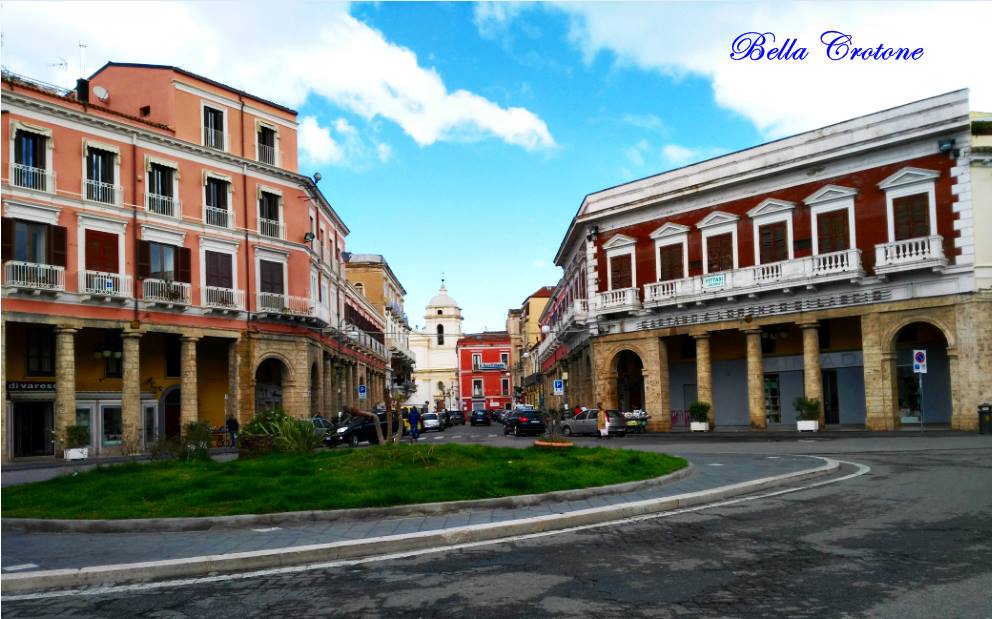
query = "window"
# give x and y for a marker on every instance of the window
(218, 272)
(113, 427)
(620, 272)
(40, 346)
(30, 161)
(268, 213)
(83, 420)
(160, 190)
(114, 363)
(773, 242)
(440, 335)
(267, 145)
(360, 288)
(101, 251)
(213, 128)
(215, 197)
(476, 361)
(720, 252)
(832, 231)
(270, 277)
(911, 216)
(504, 358)
(670, 265)
(505, 386)
(163, 262)
(100, 175)
(31, 242)
(34, 243)
(477, 388)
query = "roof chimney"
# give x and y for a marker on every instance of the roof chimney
(83, 90)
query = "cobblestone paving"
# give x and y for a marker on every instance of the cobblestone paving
(911, 539)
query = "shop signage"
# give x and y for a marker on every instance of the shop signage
(715, 281)
(15, 385)
(492, 366)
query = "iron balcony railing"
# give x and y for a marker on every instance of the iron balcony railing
(33, 276)
(213, 138)
(163, 205)
(223, 298)
(99, 283)
(28, 177)
(220, 217)
(284, 304)
(267, 154)
(166, 292)
(271, 228)
(98, 191)
(922, 252)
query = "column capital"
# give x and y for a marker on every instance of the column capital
(751, 330)
(191, 338)
(66, 329)
(132, 335)
(705, 335)
(808, 324)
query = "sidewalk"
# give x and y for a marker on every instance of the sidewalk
(25, 553)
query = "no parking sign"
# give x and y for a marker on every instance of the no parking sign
(920, 361)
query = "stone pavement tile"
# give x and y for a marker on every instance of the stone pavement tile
(431, 523)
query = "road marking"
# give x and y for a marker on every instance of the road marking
(715, 464)
(114, 589)
(20, 567)
(268, 530)
(773, 457)
(437, 438)
(492, 436)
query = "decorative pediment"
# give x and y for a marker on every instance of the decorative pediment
(829, 193)
(716, 218)
(770, 206)
(162, 235)
(619, 240)
(909, 176)
(32, 212)
(669, 230)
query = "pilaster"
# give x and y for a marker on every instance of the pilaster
(131, 387)
(65, 379)
(188, 396)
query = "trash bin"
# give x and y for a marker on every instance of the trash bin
(985, 418)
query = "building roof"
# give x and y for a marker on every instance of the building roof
(181, 71)
(486, 336)
(360, 259)
(544, 292)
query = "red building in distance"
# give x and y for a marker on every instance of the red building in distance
(484, 371)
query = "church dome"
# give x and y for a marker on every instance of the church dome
(442, 300)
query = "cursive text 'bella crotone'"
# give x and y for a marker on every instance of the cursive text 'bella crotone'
(837, 46)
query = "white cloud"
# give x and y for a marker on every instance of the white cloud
(783, 97)
(384, 152)
(312, 49)
(676, 155)
(635, 153)
(649, 122)
(493, 18)
(316, 142)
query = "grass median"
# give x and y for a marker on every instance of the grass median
(333, 479)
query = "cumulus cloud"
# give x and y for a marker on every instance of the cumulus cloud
(340, 59)
(493, 18)
(316, 142)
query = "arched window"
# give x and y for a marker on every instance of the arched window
(440, 335)
(360, 288)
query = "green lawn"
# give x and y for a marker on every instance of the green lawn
(332, 479)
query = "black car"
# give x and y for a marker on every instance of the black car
(456, 418)
(357, 428)
(480, 418)
(524, 422)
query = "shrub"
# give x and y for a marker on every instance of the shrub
(806, 409)
(265, 422)
(76, 436)
(699, 411)
(196, 440)
(295, 435)
(164, 448)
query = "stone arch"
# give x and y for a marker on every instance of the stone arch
(893, 329)
(928, 396)
(627, 369)
(272, 376)
(287, 365)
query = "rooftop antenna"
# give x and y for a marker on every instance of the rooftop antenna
(82, 59)
(63, 66)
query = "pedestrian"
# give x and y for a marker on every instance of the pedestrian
(414, 424)
(232, 429)
(602, 422)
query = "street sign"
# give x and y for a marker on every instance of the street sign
(363, 392)
(559, 388)
(920, 361)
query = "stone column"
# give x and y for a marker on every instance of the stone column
(879, 372)
(65, 381)
(233, 388)
(4, 452)
(131, 388)
(188, 397)
(755, 381)
(317, 391)
(704, 374)
(812, 377)
(328, 403)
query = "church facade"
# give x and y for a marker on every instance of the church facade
(435, 349)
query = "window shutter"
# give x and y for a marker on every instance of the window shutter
(621, 272)
(183, 266)
(7, 239)
(144, 259)
(56, 246)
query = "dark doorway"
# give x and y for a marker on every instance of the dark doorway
(172, 407)
(831, 400)
(33, 424)
(630, 381)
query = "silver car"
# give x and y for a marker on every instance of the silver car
(585, 423)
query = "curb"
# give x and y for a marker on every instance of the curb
(174, 525)
(282, 557)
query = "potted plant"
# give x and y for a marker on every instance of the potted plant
(807, 414)
(76, 443)
(699, 412)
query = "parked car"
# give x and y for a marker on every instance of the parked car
(355, 429)
(321, 427)
(456, 418)
(585, 423)
(480, 418)
(432, 421)
(524, 422)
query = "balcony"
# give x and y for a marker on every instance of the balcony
(807, 271)
(27, 177)
(225, 300)
(106, 286)
(220, 217)
(167, 294)
(920, 253)
(284, 305)
(98, 191)
(33, 278)
(271, 228)
(623, 300)
(267, 154)
(163, 205)
(213, 138)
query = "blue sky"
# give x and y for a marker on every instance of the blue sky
(461, 138)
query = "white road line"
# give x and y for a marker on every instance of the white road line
(715, 464)
(268, 530)
(113, 589)
(20, 567)
(437, 438)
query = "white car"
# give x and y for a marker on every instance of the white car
(431, 421)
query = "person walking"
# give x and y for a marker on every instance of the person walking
(602, 422)
(414, 424)
(232, 428)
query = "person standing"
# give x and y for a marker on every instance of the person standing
(414, 424)
(232, 428)
(602, 422)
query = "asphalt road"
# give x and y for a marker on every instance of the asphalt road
(912, 538)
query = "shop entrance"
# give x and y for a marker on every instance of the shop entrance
(923, 395)
(831, 399)
(33, 425)
(630, 381)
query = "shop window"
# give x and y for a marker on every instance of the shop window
(113, 426)
(40, 347)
